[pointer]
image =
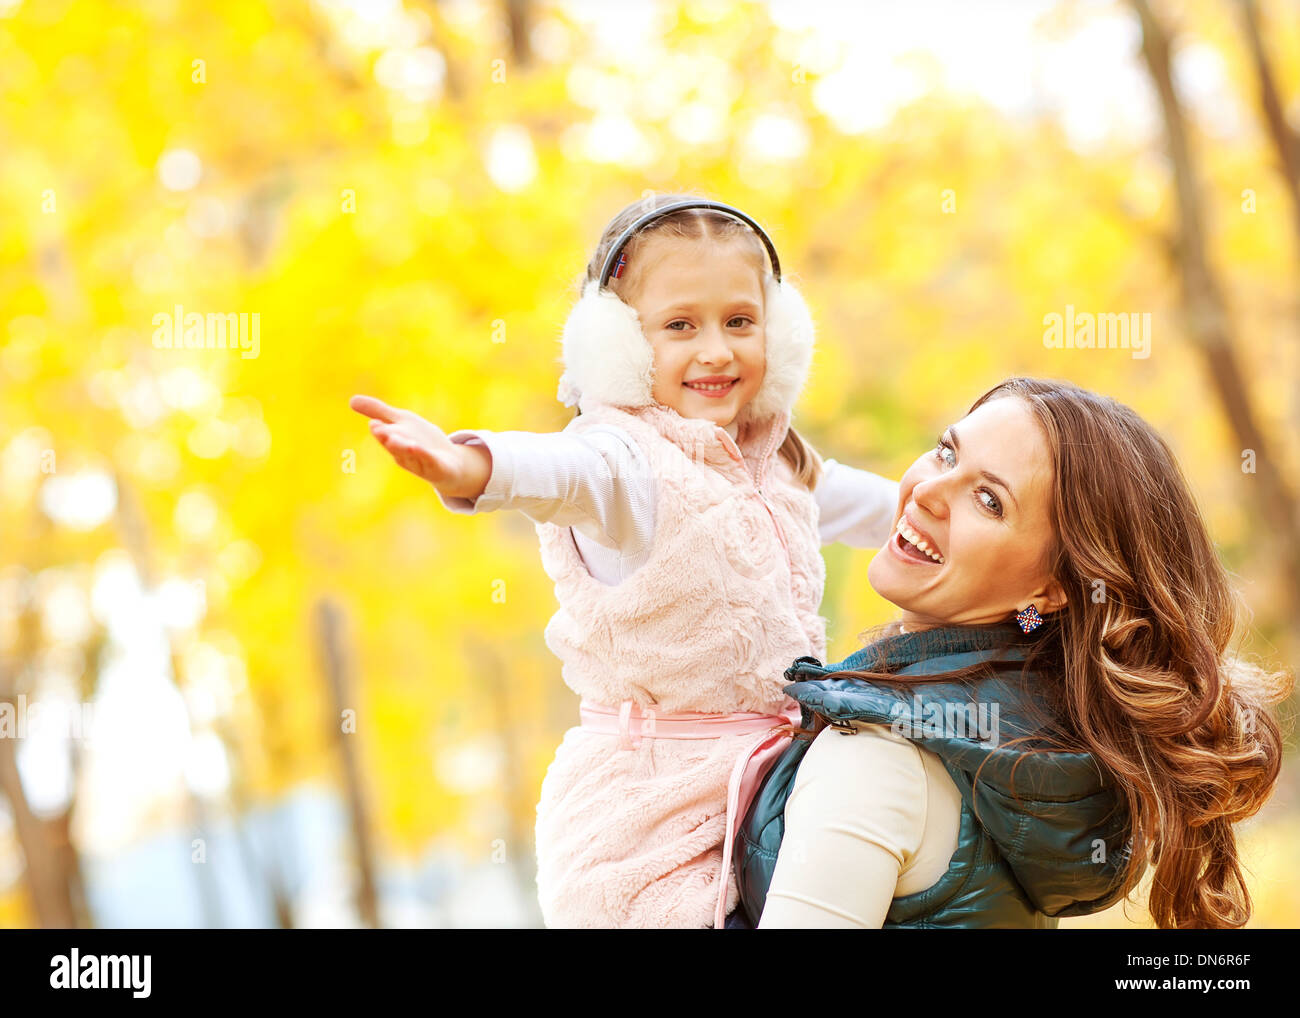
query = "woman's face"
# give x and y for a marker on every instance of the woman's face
(980, 502)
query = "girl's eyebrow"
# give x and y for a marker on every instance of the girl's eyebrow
(994, 478)
(744, 304)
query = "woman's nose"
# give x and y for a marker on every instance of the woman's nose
(930, 495)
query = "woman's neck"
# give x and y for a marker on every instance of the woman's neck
(910, 622)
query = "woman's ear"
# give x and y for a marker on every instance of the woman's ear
(1049, 598)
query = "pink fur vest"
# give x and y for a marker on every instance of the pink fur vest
(727, 600)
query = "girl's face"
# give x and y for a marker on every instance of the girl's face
(701, 309)
(981, 503)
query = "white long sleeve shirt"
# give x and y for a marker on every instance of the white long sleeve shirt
(599, 484)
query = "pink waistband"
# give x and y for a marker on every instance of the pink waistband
(631, 725)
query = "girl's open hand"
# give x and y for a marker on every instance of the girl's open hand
(423, 449)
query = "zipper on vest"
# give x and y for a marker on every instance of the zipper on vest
(733, 450)
(789, 560)
(760, 479)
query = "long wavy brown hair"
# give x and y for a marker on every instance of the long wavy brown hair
(693, 224)
(1141, 672)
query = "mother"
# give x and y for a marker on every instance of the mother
(1007, 775)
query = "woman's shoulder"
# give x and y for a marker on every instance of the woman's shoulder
(878, 787)
(893, 762)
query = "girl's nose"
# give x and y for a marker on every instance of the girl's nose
(714, 347)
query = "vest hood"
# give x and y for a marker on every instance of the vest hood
(1058, 821)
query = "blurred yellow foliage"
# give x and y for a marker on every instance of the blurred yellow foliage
(406, 207)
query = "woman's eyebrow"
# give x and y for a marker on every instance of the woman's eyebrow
(956, 444)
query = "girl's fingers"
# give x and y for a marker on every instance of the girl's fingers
(384, 437)
(373, 408)
(406, 462)
(419, 458)
(414, 457)
(388, 434)
(410, 453)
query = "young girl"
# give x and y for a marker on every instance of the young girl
(680, 517)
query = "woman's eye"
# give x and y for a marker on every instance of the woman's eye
(945, 453)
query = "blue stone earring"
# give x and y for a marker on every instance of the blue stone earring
(1029, 619)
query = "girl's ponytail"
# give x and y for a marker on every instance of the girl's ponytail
(802, 458)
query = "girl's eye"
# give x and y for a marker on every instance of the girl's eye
(739, 322)
(678, 325)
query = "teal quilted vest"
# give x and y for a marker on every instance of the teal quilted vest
(1042, 835)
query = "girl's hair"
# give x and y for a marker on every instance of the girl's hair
(693, 224)
(1136, 667)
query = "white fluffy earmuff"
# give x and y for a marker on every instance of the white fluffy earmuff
(607, 358)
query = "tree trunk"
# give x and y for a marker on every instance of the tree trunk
(48, 886)
(517, 800)
(519, 19)
(1207, 321)
(334, 663)
(1285, 142)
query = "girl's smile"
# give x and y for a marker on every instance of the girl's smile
(712, 387)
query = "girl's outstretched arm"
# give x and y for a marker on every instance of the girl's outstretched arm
(598, 482)
(457, 471)
(857, 506)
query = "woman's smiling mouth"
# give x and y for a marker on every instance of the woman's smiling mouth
(912, 546)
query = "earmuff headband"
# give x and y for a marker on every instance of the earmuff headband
(650, 217)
